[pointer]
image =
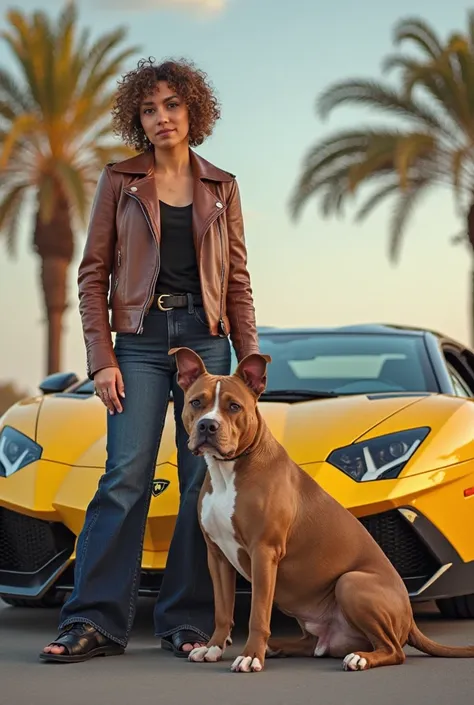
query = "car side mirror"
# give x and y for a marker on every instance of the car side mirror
(58, 382)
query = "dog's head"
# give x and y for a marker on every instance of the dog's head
(220, 412)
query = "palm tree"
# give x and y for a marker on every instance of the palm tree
(432, 144)
(55, 136)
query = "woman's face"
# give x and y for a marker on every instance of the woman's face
(164, 117)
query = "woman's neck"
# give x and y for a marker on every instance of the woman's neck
(172, 162)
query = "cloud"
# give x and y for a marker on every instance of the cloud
(197, 6)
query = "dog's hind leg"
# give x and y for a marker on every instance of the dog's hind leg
(378, 614)
(303, 646)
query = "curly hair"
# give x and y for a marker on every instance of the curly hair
(182, 76)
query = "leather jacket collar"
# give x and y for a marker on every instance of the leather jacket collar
(206, 205)
(144, 164)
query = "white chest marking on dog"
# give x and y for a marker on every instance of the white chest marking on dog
(218, 509)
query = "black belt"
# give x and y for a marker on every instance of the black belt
(166, 302)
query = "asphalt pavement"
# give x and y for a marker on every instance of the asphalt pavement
(146, 675)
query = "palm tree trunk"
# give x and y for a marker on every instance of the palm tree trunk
(53, 283)
(470, 234)
(54, 243)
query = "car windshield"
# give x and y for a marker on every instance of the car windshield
(327, 364)
(346, 363)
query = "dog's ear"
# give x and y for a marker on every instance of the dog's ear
(190, 366)
(253, 371)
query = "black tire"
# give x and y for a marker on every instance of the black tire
(53, 598)
(457, 607)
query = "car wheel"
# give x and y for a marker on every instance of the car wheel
(457, 607)
(53, 598)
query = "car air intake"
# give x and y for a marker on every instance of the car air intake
(27, 544)
(400, 543)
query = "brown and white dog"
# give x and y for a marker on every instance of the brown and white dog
(263, 516)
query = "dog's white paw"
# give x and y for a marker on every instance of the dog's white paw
(246, 664)
(320, 650)
(204, 653)
(354, 662)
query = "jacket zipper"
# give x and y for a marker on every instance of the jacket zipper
(222, 276)
(119, 257)
(155, 276)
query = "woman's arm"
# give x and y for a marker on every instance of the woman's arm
(240, 305)
(93, 278)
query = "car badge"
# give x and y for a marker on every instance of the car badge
(159, 486)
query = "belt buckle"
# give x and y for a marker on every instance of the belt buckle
(160, 302)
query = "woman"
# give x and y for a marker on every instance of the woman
(166, 229)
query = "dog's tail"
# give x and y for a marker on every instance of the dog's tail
(421, 642)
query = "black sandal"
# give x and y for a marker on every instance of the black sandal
(82, 642)
(175, 641)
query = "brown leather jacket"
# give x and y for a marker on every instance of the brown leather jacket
(120, 263)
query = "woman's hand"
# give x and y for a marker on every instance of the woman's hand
(109, 387)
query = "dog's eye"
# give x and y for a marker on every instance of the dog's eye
(234, 406)
(196, 403)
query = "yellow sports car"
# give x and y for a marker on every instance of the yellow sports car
(381, 416)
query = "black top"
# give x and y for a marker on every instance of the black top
(179, 273)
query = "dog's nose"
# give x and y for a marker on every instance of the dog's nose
(208, 427)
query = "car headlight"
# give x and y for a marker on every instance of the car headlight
(379, 458)
(16, 451)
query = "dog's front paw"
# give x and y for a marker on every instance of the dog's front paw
(206, 653)
(247, 664)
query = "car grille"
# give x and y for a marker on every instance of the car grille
(397, 539)
(27, 544)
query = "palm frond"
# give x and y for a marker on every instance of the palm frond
(7, 111)
(461, 161)
(376, 198)
(11, 92)
(434, 99)
(417, 31)
(374, 94)
(403, 209)
(19, 128)
(408, 151)
(55, 119)
(352, 157)
(9, 214)
(24, 48)
(461, 238)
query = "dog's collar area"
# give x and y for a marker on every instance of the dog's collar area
(232, 460)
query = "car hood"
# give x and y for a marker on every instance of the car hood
(310, 430)
(69, 425)
(23, 416)
(73, 431)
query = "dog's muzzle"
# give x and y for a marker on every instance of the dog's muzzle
(206, 432)
(208, 428)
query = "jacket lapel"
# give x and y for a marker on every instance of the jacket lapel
(143, 189)
(207, 206)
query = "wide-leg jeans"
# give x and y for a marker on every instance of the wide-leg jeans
(109, 548)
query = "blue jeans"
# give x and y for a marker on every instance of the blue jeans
(109, 547)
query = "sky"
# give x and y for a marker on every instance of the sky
(269, 60)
